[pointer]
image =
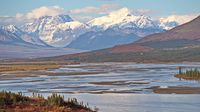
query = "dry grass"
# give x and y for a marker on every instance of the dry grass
(9, 68)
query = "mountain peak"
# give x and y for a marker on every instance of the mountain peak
(120, 13)
(56, 19)
(10, 28)
(170, 22)
(63, 18)
(185, 33)
(123, 19)
(112, 19)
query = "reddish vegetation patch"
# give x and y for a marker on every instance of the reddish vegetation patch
(33, 108)
(78, 55)
(13, 102)
(171, 35)
(131, 48)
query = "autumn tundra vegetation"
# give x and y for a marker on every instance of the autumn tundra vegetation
(10, 102)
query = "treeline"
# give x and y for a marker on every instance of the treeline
(192, 74)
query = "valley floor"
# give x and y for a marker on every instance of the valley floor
(24, 69)
(109, 83)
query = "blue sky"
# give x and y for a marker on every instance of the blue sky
(20, 11)
(161, 7)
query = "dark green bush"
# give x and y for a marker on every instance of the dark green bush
(193, 74)
(8, 98)
(56, 99)
(73, 102)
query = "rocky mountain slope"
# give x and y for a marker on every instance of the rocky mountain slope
(181, 43)
(182, 36)
(56, 31)
(118, 27)
(123, 20)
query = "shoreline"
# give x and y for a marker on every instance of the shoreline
(176, 90)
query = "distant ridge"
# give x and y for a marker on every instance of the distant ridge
(181, 43)
(116, 28)
(187, 31)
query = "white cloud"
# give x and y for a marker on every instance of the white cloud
(7, 20)
(103, 9)
(181, 19)
(56, 10)
(87, 13)
(44, 11)
(84, 14)
(83, 19)
(19, 16)
(143, 11)
(41, 11)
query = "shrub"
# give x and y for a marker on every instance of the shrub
(8, 98)
(192, 74)
(73, 102)
(56, 99)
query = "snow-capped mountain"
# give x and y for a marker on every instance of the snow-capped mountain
(119, 27)
(123, 20)
(10, 33)
(172, 21)
(19, 34)
(120, 18)
(45, 21)
(12, 29)
(57, 31)
(63, 31)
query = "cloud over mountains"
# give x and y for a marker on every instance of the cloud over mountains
(83, 14)
(42, 11)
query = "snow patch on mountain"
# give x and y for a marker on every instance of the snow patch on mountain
(112, 19)
(123, 19)
(57, 31)
(11, 31)
(172, 21)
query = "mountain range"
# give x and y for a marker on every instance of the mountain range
(179, 44)
(61, 31)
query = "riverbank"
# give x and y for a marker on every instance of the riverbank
(176, 90)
